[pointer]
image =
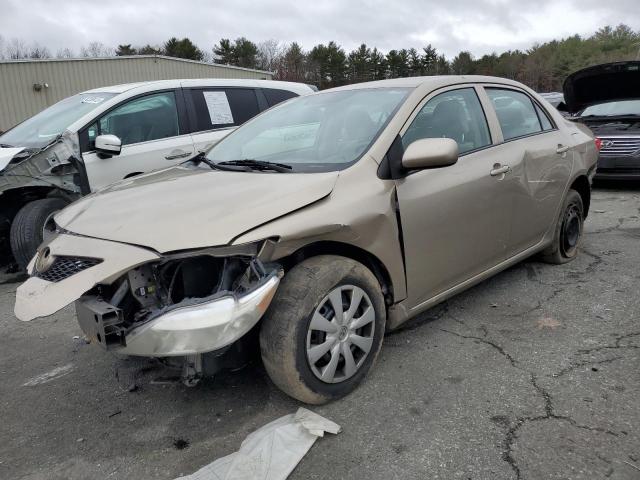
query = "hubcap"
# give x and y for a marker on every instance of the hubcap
(340, 334)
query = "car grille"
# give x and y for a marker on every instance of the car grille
(620, 146)
(64, 267)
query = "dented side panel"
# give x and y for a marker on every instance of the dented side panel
(360, 211)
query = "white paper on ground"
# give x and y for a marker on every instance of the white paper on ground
(219, 109)
(6, 154)
(272, 451)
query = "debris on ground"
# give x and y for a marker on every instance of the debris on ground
(272, 451)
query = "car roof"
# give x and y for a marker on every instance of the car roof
(299, 88)
(434, 81)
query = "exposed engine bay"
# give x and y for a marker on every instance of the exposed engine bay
(110, 315)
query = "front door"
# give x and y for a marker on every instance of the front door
(150, 132)
(455, 219)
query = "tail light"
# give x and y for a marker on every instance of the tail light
(598, 142)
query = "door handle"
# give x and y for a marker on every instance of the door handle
(176, 155)
(562, 149)
(499, 170)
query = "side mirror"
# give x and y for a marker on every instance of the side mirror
(430, 153)
(108, 145)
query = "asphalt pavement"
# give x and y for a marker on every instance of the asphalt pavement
(533, 374)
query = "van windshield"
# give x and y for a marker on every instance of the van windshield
(41, 129)
(316, 133)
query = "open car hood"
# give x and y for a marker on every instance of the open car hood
(182, 208)
(602, 83)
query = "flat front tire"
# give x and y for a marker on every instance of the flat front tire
(568, 231)
(324, 328)
(29, 227)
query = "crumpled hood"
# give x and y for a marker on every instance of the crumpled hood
(183, 208)
(602, 83)
(7, 154)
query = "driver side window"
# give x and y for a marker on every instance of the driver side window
(143, 119)
(455, 114)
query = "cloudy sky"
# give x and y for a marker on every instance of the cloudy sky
(481, 26)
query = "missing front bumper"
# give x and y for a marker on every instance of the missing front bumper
(187, 329)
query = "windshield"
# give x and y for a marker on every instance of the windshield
(613, 109)
(41, 129)
(323, 132)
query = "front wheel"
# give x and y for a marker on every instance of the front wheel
(324, 328)
(31, 225)
(568, 232)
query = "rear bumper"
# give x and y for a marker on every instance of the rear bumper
(618, 168)
(188, 329)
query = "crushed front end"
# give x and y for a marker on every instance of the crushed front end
(175, 306)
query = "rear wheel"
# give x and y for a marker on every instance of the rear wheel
(31, 226)
(324, 328)
(568, 233)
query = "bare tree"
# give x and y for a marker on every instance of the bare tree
(17, 49)
(2, 56)
(270, 54)
(65, 53)
(39, 51)
(96, 50)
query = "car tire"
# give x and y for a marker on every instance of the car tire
(568, 231)
(289, 337)
(27, 228)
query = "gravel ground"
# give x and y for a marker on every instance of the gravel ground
(532, 374)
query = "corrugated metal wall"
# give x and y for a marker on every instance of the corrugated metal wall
(19, 100)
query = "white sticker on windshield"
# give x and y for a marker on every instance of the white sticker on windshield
(92, 100)
(219, 109)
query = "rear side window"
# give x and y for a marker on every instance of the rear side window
(142, 119)
(544, 119)
(222, 108)
(455, 114)
(516, 113)
(275, 96)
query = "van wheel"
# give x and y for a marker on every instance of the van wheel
(31, 225)
(568, 234)
(324, 328)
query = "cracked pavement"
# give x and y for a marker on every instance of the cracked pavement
(532, 374)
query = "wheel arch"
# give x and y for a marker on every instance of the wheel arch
(583, 187)
(369, 260)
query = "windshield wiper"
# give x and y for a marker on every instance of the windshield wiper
(259, 165)
(202, 158)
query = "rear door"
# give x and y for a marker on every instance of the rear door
(539, 157)
(216, 111)
(455, 220)
(153, 131)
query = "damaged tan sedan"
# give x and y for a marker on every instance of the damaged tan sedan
(317, 226)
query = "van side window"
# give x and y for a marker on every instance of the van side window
(455, 114)
(515, 111)
(275, 96)
(152, 117)
(223, 107)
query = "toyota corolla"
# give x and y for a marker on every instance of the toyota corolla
(319, 225)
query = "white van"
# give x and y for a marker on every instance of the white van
(98, 137)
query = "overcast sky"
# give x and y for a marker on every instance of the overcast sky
(481, 26)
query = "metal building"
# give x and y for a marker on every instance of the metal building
(29, 86)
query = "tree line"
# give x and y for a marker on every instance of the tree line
(543, 67)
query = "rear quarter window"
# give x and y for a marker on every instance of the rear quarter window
(223, 108)
(275, 96)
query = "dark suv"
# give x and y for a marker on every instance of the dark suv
(606, 98)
